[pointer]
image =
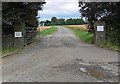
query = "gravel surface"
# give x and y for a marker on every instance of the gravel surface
(61, 57)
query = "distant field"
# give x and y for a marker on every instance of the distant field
(43, 28)
(82, 27)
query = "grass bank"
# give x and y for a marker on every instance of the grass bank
(88, 38)
(109, 45)
(7, 51)
(83, 35)
(49, 31)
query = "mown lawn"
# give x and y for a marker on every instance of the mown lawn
(48, 31)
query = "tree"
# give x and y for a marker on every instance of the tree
(41, 23)
(78, 21)
(97, 10)
(61, 21)
(70, 21)
(47, 23)
(24, 11)
(109, 12)
(53, 20)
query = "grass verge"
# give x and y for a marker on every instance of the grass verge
(109, 45)
(7, 51)
(48, 31)
(88, 38)
(83, 35)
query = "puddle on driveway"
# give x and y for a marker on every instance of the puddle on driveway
(96, 70)
(79, 67)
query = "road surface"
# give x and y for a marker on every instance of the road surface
(61, 57)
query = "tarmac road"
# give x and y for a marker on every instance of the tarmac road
(61, 57)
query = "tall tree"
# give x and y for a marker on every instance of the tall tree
(47, 23)
(61, 21)
(78, 21)
(70, 21)
(54, 20)
(107, 11)
(24, 11)
(97, 10)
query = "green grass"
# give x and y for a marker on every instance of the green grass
(48, 31)
(88, 38)
(83, 35)
(109, 45)
(7, 51)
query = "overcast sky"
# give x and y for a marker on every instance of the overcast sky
(59, 9)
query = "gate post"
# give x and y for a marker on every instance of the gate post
(99, 32)
(0, 28)
(19, 34)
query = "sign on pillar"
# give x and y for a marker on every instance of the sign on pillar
(99, 32)
(19, 34)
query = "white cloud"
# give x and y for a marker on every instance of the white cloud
(60, 8)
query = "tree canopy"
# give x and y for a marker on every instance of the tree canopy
(107, 11)
(23, 11)
(53, 20)
(99, 10)
(62, 21)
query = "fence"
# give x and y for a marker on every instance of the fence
(30, 35)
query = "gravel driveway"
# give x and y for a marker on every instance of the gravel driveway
(61, 57)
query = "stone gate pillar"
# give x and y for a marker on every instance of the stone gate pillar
(99, 32)
(0, 27)
(19, 34)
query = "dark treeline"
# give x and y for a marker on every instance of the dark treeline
(61, 21)
(108, 12)
(26, 12)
